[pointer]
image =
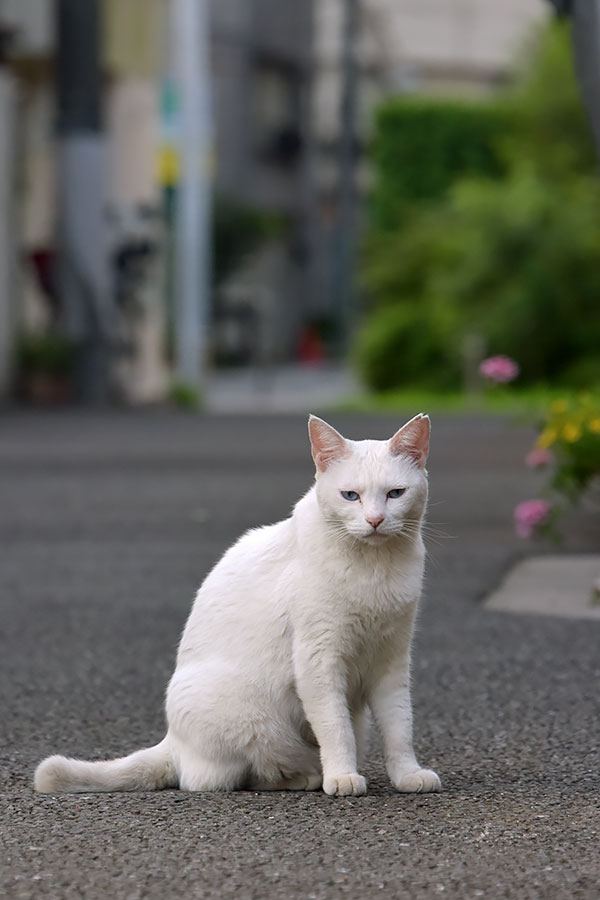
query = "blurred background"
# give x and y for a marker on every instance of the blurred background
(389, 188)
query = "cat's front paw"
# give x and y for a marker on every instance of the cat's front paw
(350, 784)
(421, 781)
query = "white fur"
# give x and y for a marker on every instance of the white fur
(299, 633)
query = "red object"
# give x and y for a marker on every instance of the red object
(310, 346)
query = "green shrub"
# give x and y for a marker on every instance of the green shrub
(549, 124)
(237, 231)
(499, 237)
(185, 396)
(46, 353)
(529, 279)
(406, 345)
(516, 262)
(422, 145)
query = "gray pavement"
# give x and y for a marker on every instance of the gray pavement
(280, 389)
(107, 524)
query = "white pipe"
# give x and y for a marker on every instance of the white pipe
(192, 228)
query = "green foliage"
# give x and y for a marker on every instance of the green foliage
(237, 231)
(511, 261)
(512, 255)
(549, 125)
(422, 145)
(398, 341)
(45, 353)
(568, 446)
(571, 430)
(184, 395)
(527, 272)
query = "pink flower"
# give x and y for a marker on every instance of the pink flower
(538, 457)
(530, 515)
(500, 369)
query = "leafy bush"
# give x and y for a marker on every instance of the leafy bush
(513, 262)
(514, 258)
(399, 341)
(571, 430)
(528, 278)
(237, 231)
(569, 446)
(422, 145)
(548, 123)
(184, 395)
(47, 353)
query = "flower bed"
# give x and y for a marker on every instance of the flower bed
(568, 447)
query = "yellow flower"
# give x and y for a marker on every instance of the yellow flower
(546, 438)
(594, 426)
(571, 432)
(559, 406)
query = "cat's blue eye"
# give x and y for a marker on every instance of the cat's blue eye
(350, 495)
(395, 493)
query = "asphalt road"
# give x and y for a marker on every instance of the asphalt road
(107, 524)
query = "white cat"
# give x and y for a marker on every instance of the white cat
(298, 634)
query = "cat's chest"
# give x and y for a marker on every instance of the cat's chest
(378, 590)
(360, 644)
(356, 616)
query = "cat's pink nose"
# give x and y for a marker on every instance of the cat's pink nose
(375, 521)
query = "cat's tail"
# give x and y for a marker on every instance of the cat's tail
(145, 770)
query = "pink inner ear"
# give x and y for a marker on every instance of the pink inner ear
(413, 440)
(327, 444)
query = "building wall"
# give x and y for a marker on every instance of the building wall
(477, 39)
(262, 55)
(32, 22)
(261, 62)
(261, 52)
(435, 46)
(453, 47)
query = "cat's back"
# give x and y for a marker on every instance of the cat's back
(258, 553)
(246, 592)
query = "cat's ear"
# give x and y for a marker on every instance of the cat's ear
(326, 443)
(413, 440)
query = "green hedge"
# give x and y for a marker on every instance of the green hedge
(486, 221)
(517, 262)
(421, 146)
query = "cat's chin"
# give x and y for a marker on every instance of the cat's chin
(375, 539)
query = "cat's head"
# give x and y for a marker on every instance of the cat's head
(372, 490)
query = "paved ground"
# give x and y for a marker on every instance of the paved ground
(561, 585)
(277, 389)
(107, 523)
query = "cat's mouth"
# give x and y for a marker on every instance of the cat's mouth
(375, 537)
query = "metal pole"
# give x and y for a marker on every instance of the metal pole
(344, 238)
(84, 277)
(8, 231)
(586, 46)
(193, 204)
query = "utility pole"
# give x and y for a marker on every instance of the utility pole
(586, 46)
(8, 249)
(585, 16)
(191, 65)
(84, 278)
(344, 238)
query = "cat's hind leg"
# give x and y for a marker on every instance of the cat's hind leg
(197, 773)
(310, 782)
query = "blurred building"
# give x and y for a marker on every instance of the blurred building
(262, 68)
(33, 46)
(456, 47)
(261, 52)
(277, 81)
